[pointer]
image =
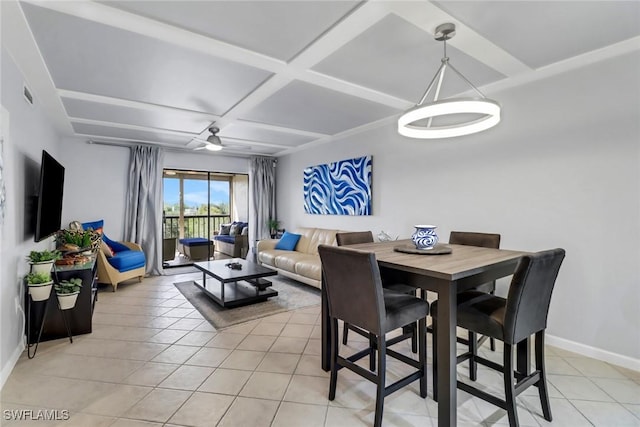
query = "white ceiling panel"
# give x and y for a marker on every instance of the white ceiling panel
(277, 76)
(308, 107)
(86, 56)
(130, 134)
(402, 65)
(543, 32)
(279, 29)
(251, 133)
(176, 120)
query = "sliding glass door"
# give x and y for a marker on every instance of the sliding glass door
(196, 203)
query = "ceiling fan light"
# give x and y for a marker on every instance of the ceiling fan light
(213, 147)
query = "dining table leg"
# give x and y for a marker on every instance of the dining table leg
(446, 335)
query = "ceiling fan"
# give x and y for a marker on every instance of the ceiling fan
(212, 143)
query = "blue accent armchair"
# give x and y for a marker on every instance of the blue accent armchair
(118, 262)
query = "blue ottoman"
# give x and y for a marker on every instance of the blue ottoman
(196, 248)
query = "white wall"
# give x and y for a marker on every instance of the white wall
(27, 134)
(560, 170)
(96, 186)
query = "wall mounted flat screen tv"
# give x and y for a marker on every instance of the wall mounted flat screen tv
(49, 213)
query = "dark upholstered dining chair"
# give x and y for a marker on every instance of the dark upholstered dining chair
(469, 238)
(355, 237)
(485, 240)
(353, 286)
(511, 320)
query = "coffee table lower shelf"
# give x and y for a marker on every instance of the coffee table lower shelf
(238, 293)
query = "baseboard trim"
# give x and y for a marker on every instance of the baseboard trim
(11, 363)
(594, 352)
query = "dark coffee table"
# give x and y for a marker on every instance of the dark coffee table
(233, 288)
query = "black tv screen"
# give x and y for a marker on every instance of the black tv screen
(49, 213)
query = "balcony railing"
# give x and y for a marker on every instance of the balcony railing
(194, 225)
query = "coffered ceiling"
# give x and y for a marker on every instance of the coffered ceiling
(278, 75)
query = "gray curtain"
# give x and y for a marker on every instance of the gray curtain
(262, 187)
(143, 210)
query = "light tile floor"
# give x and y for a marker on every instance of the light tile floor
(152, 360)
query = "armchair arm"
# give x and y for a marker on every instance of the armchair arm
(267, 244)
(133, 246)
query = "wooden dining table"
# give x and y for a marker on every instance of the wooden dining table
(446, 275)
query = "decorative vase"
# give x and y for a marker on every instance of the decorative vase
(425, 237)
(67, 301)
(42, 267)
(40, 291)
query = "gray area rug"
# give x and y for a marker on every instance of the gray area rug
(174, 271)
(291, 296)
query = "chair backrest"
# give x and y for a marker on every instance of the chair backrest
(354, 237)
(351, 279)
(485, 240)
(530, 294)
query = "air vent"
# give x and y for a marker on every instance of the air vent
(27, 95)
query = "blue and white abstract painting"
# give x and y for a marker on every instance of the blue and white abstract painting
(339, 188)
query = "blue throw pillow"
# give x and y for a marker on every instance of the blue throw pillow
(288, 241)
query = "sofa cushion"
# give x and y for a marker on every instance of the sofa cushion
(225, 238)
(269, 256)
(312, 237)
(236, 228)
(224, 229)
(195, 241)
(127, 260)
(96, 226)
(310, 266)
(288, 241)
(288, 260)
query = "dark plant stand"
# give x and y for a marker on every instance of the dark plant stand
(34, 346)
(44, 324)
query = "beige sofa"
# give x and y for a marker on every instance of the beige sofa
(303, 264)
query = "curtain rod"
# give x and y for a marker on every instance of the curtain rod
(168, 148)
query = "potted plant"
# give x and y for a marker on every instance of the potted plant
(42, 261)
(273, 227)
(78, 240)
(67, 292)
(39, 284)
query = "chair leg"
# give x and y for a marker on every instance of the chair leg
(372, 352)
(542, 383)
(334, 358)
(382, 358)
(434, 358)
(492, 341)
(509, 386)
(473, 349)
(422, 355)
(345, 332)
(414, 338)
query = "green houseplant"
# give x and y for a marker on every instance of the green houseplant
(42, 261)
(273, 227)
(77, 240)
(67, 292)
(39, 284)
